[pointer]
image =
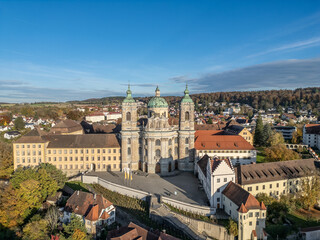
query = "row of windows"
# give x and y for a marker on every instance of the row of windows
(23, 153)
(27, 146)
(28, 160)
(102, 166)
(224, 151)
(76, 151)
(54, 159)
(271, 185)
(224, 179)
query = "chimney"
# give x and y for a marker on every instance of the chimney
(94, 196)
(78, 192)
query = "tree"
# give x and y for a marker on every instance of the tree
(309, 192)
(258, 134)
(297, 136)
(36, 230)
(209, 120)
(275, 139)
(79, 235)
(266, 199)
(6, 160)
(75, 223)
(55, 173)
(52, 217)
(74, 115)
(280, 153)
(232, 227)
(267, 132)
(19, 123)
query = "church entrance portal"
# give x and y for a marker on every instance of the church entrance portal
(158, 168)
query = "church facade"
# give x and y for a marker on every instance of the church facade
(154, 145)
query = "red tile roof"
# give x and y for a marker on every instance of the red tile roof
(205, 140)
(312, 128)
(242, 209)
(87, 204)
(240, 196)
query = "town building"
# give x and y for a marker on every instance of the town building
(134, 231)
(234, 147)
(286, 131)
(67, 127)
(275, 178)
(241, 131)
(245, 209)
(113, 115)
(311, 135)
(70, 153)
(155, 146)
(214, 175)
(11, 134)
(95, 211)
(95, 117)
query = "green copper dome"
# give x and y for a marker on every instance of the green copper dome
(186, 98)
(157, 101)
(129, 98)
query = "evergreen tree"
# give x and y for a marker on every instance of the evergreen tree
(267, 132)
(258, 134)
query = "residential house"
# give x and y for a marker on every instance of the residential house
(134, 231)
(11, 134)
(95, 117)
(286, 131)
(241, 131)
(95, 211)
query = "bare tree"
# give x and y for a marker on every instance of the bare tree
(52, 217)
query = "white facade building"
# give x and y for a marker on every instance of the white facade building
(311, 135)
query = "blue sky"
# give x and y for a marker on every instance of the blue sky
(67, 50)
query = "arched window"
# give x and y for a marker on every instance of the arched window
(158, 143)
(170, 152)
(170, 142)
(187, 140)
(187, 116)
(158, 153)
(128, 116)
(129, 140)
(187, 150)
(129, 151)
(176, 150)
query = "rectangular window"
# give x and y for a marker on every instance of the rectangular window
(39, 146)
(103, 151)
(109, 158)
(104, 158)
(33, 146)
(249, 189)
(98, 158)
(70, 158)
(49, 151)
(277, 184)
(114, 150)
(60, 158)
(65, 151)
(225, 179)
(114, 158)
(76, 158)
(250, 214)
(54, 151)
(257, 214)
(17, 146)
(263, 187)
(70, 151)
(60, 151)
(284, 184)
(109, 150)
(250, 223)
(98, 150)
(218, 180)
(270, 186)
(218, 199)
(257, 188)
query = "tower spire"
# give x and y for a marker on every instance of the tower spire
(157, 91)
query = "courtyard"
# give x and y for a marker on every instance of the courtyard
(182, 187)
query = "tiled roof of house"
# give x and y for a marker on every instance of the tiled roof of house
(34, 136)
(242, 209)
(274, 171)
(87, 204)
(66, 126)
(217, 126)
(312, 128)
(236, 129)
(240, 196)
(214, 163)
(83, 141)
(207, 141)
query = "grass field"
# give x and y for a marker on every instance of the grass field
(260, 155)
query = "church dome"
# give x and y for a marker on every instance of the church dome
(157, 101)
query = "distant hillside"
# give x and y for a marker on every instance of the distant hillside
(299, 99)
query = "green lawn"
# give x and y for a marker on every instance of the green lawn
(75, 185)
(260, 155)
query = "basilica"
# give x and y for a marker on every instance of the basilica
(155, 144)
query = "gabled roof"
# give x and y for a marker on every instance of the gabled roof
(66, 126)
(87, 205)
(207, 141)
(242, 209)
(240, 196)
(274, 171)
(214, 164)
(34, 136)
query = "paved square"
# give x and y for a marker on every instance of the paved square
(185, 184)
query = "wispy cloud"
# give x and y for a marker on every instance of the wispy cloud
(307, 43)
(274, 75)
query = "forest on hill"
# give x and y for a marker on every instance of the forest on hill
(298, 99)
